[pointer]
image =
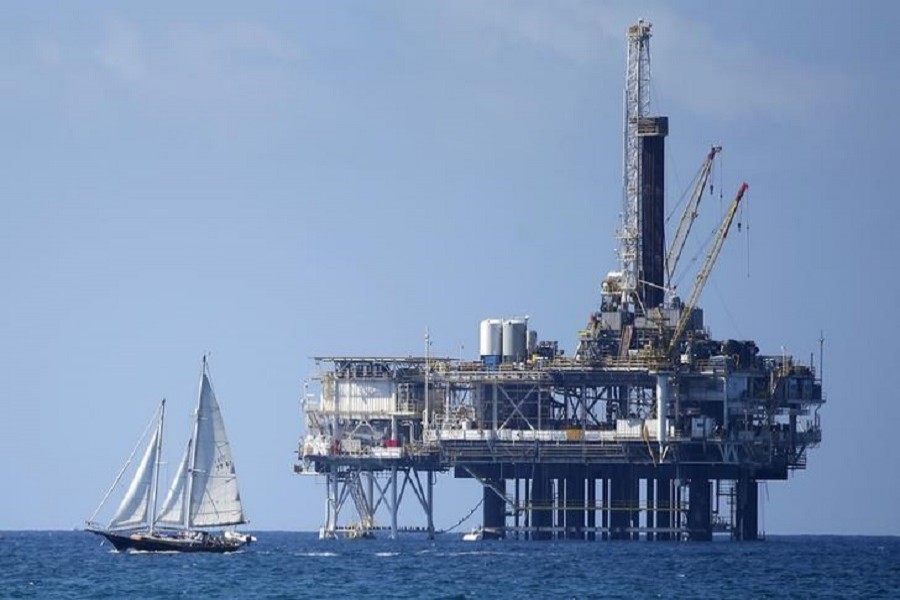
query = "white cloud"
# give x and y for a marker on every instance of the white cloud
(722, 75)
(256, 39)
(121, 52)
(696, 67)
(192, 64)
(48, 53)
(573, 30)
(706, 71)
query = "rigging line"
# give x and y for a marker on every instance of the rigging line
(676, 175)
(720, 172)
(464, 519)
(731, 318)
(747, 227)
(682, 198)
(654, 93)
(684, 194)
(126, 465)
(700, 251)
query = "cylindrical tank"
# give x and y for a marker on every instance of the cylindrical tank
(532, 341)
(491, 339)
(515, 339)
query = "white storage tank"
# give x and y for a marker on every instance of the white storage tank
(515, 340)
(491, 340)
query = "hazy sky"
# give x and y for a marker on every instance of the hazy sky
(271, 181)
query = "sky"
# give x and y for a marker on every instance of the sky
(271, 181)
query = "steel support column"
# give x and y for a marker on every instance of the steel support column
(747, 511)
(604, 514)
(575, 503)
(541, 504)
(494, 506)
(634, 501)
(619, 513)
(429, 511)
(663, 507)
(699, 509)
(394, 502)
(592, 508)
(560, 507)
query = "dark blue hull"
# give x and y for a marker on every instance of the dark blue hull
(145, 542)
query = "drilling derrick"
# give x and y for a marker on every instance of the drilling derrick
(642, 235)
(653, 429)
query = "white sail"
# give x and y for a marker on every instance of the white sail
(134, 508)
(172, 511)
(214, 496)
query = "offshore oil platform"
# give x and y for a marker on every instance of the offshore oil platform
(652, 430)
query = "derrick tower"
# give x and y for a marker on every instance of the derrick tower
(642, 234)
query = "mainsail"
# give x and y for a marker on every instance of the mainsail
(214, 496)
(135, 506)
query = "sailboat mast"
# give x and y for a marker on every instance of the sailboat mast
(186, 491)
(192, 450)
(155, 489)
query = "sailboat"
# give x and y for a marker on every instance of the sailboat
(203, 495)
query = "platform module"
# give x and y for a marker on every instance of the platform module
(651, 429)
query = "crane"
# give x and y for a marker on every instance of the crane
(689, 215)
(703, 273)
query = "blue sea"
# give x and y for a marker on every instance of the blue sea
(74, 564)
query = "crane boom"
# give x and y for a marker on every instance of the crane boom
(689, 215)
(703, 273)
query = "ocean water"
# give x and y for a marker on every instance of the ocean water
(297, 565)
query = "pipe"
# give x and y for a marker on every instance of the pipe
(662, 402)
